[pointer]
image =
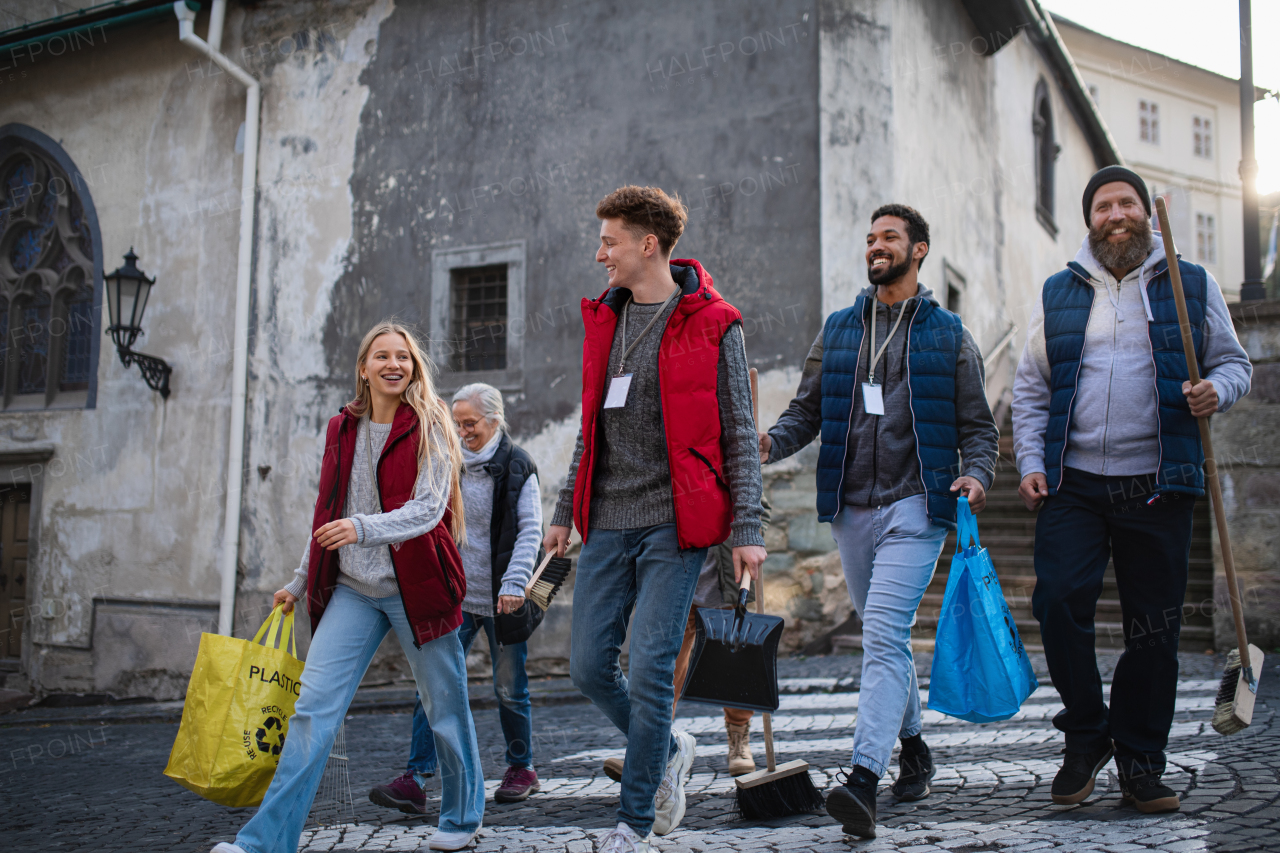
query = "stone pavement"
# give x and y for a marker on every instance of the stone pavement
(75, 785)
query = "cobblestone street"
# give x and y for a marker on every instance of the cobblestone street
(96, 784)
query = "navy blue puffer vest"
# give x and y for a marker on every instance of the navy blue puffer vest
(1068, 298)
(934, 336)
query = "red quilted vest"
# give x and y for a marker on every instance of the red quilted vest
(428, 568)
(687, 360)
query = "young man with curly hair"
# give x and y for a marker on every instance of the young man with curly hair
(665, 467)
(895, 385)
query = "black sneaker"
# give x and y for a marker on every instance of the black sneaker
(1148, 794)
(915, 772)
(1074, 781)
(854, 803)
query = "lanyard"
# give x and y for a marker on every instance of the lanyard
(875, 356)
(626, 350)
(373, 466)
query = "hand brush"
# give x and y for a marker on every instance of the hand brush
(1233, 707)
(547, 580)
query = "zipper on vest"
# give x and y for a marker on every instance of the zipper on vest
(853, 401)
(448, 581)
(911, 402)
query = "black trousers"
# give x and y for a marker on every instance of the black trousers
(1090, 519)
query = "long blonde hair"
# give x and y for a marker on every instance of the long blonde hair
(432, 413)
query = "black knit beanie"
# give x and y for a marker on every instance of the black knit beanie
(1108, 175)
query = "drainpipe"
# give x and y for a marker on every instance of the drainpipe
(240, 352)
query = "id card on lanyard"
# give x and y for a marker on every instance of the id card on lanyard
(873, 394)
(620, 384)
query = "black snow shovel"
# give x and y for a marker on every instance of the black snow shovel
(734, 663)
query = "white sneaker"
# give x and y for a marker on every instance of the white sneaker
(623, 839)
(668, 804)
(226, 847)
(442, 840)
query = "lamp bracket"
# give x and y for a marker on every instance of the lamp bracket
(155, 371)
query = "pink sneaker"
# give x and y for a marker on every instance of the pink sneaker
(517, 784)
(403, 793)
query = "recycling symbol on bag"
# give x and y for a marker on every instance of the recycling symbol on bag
(270, 736)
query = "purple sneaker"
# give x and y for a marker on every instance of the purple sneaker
(403, 794)
(517, 784)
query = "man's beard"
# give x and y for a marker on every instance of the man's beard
(886, 274)
(1126, 254)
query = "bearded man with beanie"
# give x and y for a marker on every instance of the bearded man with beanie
(895, 385)
(665, 467)
(1105, 433)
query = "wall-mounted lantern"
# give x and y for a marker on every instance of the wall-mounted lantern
(127, 292)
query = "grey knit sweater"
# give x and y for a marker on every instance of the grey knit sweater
(632, 481)
(366, 566)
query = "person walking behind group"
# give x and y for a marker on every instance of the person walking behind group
(504, 508)
(382, 557)
(716, 589)
(664, 467)
(1105, 433)
(897, 410)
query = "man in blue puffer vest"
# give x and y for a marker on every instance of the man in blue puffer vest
(1107, 444)
(896, 387)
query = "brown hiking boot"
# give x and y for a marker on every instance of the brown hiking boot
(613, 768)
(740, 760)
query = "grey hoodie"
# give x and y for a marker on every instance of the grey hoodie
(881, 462)
(1114, 426)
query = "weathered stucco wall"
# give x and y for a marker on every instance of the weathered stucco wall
(1244, 440)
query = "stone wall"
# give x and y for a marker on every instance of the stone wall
(1245, 442)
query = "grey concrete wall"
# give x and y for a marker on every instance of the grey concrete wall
(1244, 441)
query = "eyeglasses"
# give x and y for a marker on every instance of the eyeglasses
(465, 426)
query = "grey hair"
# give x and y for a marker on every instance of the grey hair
(487, 399)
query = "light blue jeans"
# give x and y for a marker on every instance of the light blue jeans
(620, 571)
(344, 643)
(888, 554)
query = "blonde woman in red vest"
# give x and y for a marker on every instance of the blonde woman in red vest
(665, 467)
(382, 557)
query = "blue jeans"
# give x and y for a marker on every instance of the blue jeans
(888, 554)
(345, 640)
(619, 571)
(510, 684)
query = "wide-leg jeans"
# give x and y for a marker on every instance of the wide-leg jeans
(888, 554)
(620, 571)
(344, 643)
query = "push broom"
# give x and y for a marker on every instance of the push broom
(780, 790)
(1233, 707)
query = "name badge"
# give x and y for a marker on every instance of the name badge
(872, 399)
(618, 388)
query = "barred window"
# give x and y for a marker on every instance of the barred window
(49, 268)
(479, 318)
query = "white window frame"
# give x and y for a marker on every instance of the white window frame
(1202, 137)
(1206, 238)
(1149, 121)
(514, 255)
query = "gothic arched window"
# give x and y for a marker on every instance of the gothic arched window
(1046, 154)
(50, 275)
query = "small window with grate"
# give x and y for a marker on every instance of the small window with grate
(478, 315)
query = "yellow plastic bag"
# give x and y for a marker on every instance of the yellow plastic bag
(236, 714)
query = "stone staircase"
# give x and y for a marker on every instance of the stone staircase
(1008, 533)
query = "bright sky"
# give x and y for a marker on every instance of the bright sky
(1203, 33)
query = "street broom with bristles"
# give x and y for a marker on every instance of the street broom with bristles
(1233, 708)
(780, 790)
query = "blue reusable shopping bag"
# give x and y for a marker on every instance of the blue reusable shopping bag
(980, 669)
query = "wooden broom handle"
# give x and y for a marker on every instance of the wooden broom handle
(768, 718)
(1210, 462)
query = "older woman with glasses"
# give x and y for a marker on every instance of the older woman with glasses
(499, 485)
